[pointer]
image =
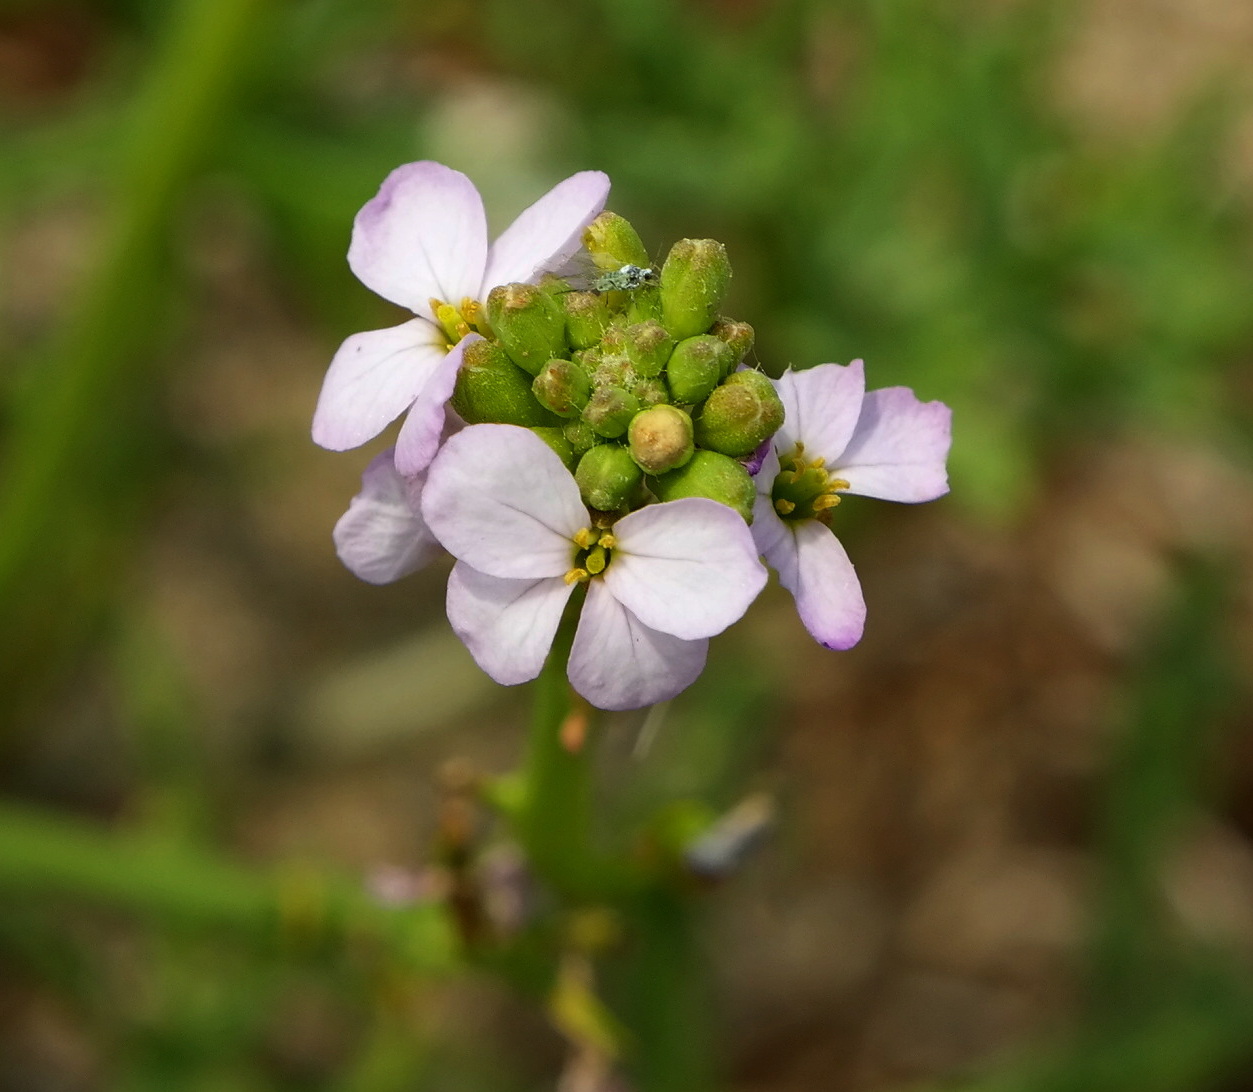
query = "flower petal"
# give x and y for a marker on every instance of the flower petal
(382, 536)
(617, 662)
(420, 435)
(508, 625)
(899, 447)
(423, 235)
(820, 408)
(813, 566)
(688, 567)
(544, 236)
(372, 380)
(498, 498)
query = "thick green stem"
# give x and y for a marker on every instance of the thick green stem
(556, 816)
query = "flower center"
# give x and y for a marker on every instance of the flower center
(457, 322)
(805, 489)
(593, 551)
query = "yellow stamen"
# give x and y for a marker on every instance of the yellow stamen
(783, 507)
(837, 483)
(818, 464)
(574, 576)
(584, 538)
(827, 500)
(608, 541)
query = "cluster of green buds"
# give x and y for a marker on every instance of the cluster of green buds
(634, 381)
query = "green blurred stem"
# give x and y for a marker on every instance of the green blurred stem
(555, 822)
(65, 472)
(49, 856)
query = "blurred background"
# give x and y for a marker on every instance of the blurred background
(1013, 840)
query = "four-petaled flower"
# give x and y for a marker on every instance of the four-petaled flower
(838, 438)
(421, 242)
(660, 581)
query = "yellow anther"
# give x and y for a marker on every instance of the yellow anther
(837, 483)
(575, 575)
(783, 507)
(608, 541)
(827, 500)
(818, 464)
(584, 538)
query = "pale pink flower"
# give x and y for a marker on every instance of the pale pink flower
(422, 242)
(882, 443)
(502, 503)
(383, 536)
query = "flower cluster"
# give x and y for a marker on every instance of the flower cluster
(582, 433)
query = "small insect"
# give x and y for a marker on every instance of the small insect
(626, 279)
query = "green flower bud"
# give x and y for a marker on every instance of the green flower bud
(491, 388)
(739, 337)
(529, 323)
(644, 305)
(563, 387)
(587, 315)
(648, 345)
(607, 476)
(694, 282)
(652, 392)
(609, 410)
(708, 474)
(580, 436)
(740, 414)
(660, 439)
(695, 367)
(612, 242)
(555, 438)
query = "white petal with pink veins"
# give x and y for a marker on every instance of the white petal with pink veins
(898, 449)
(617, 662)
(508, 625)
(688, 567)
(423, 429)
(498, 498)
(546, 235)
(821, 406)
(423, 235)
(372, 380)
(813, 566)
(382, 536)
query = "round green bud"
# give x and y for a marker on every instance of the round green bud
(563, 387)
(740, 414)
(556, 439)
(695, 367)
(491, 388)
(660, 439)
(739, 337)
(613, 242)
(694, 282)
(607, 476)
(609, 410)
(587, 315)
(651, 392)
(648, 345)
(580, 436)
(529, 323)
(709, 474)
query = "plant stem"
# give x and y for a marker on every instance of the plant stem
(556, 815)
